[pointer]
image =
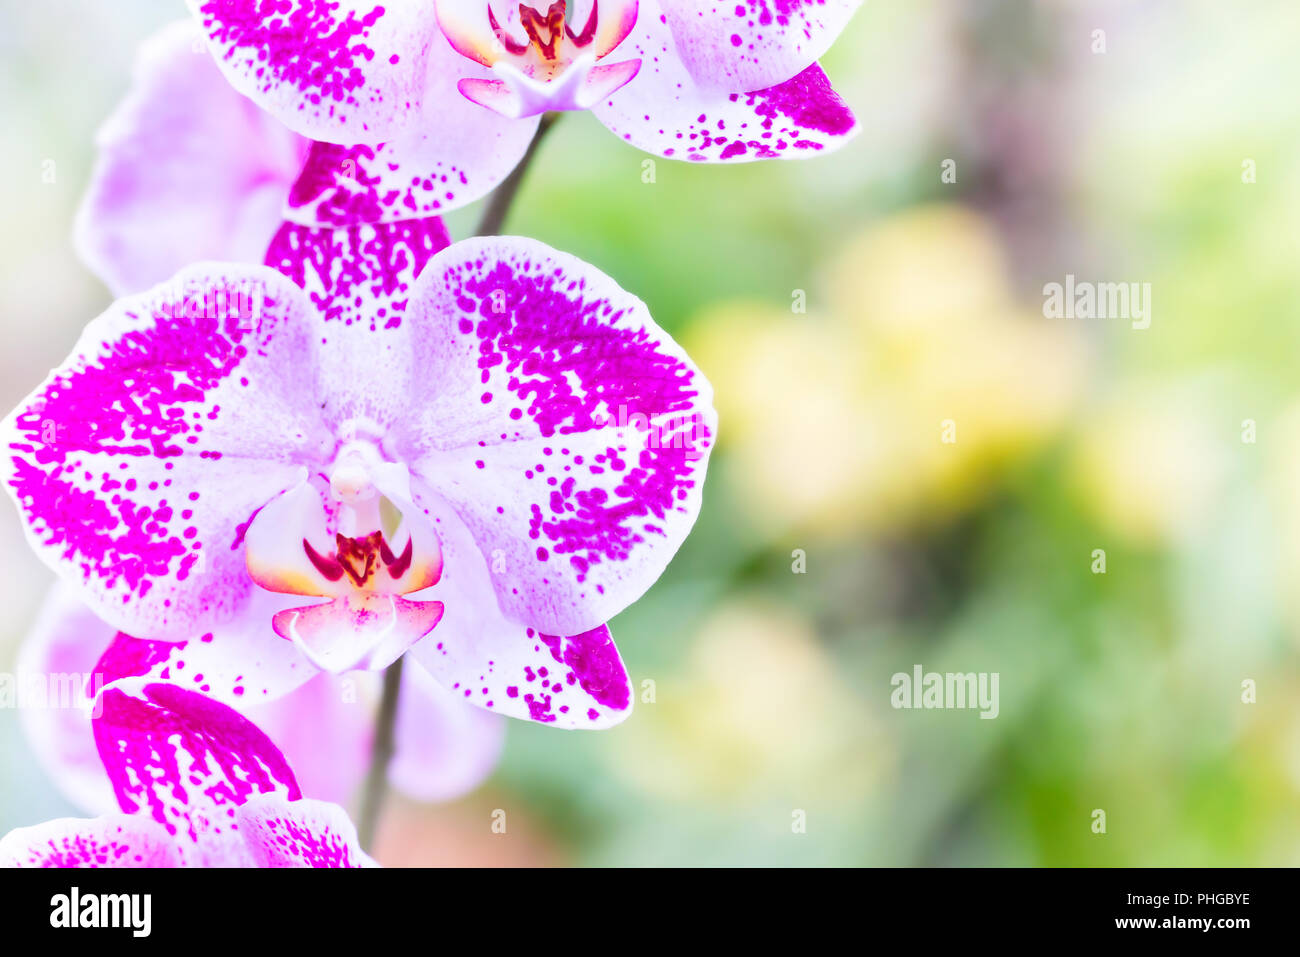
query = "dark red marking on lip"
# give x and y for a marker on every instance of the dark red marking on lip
(358, 558)
(507, 41)
(327, 566)
(397, 566)
(588, 31)
(552, 22)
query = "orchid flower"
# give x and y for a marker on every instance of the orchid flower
(198, 786)
(420, 106)
(504, 452)
(443, 748)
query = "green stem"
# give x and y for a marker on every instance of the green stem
(494, 217)
(376, 787)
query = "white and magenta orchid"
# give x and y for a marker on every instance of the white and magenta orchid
(483, 465)
(417, 107)
(198, 786)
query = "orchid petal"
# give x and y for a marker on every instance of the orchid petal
(304, 833)
(62, 648)
(666, 112)
(77, 655)
(360, 280)
(450, 154)
(114, 840)
(343, 71)
(443, 747)
(139, 462)
(752, 44)
(188, 762)
(614, 20)
(321, 723)
(240, 664)
(188, 170)
(324, 729)
(487, 660)
(567, 431)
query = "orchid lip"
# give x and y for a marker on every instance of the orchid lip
(543, 40)
(358, 652)
(580, 86)
(335, 542)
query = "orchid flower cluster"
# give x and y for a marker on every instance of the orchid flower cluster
(314, 439)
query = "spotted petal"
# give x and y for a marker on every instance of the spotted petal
(139, 462)
(187, 170)
(114, 840)
(751, 44)
(324, 726)
(566, 430)
(73, 654)
(484, 658)
(321, 724)
(449, 154)
(344, 71)
(305, 833)
(666, 111)
(188, 763)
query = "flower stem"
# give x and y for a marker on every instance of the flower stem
(376, 787)
(494, 217)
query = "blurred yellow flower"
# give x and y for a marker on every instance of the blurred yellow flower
(1150, 462)
(759, 712)
(922, 380)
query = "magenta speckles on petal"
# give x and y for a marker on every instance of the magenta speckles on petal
(808, 102)
(134, 464)
(115, 840)
(311, 44)
(305, 833)
(667, 111)
(751, 44)
(339, 70)
(350, 185)
(584, 465)
(195, 778)
(593, 661)
(186, 761)
(360, 274)
(574, 683)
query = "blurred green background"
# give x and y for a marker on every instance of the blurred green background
(1175, 449)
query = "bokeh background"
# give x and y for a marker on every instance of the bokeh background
(1175, 448)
